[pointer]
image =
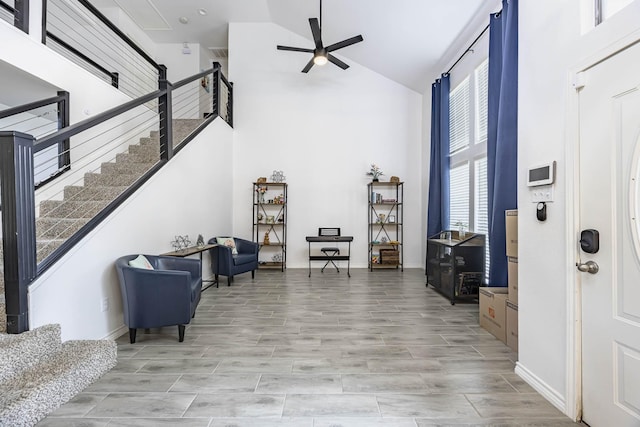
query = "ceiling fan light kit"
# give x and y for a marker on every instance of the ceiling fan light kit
(321, 54)
(320, 58)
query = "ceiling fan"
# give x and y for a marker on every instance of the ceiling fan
(322, 54)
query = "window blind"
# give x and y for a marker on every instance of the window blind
(459, 120)
(459, 197)
(482, 101)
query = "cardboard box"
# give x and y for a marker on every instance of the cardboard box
(493, 311)
(512, 270)
(512, 326)
(511, 224)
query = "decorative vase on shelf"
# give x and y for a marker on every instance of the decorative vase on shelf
(375, 180)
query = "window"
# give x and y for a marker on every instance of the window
(459, 120)
(468, 154)
(459, 197)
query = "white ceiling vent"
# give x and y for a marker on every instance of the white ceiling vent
(219, 52)
(145, 14)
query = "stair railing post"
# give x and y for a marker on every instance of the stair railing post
(230, 105)
(216, 89)
(21, 15)
(165, 110)
(115, 79)
(18, 225)
(64, 147)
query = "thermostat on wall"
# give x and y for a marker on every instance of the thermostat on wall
(542, 175)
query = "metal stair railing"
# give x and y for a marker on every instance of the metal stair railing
(101, 143)
(80, 32)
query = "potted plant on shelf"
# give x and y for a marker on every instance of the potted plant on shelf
(375, 172)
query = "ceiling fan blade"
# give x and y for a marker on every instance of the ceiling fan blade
(294, 49)
(308, 66)
(315, 30)
(344, 43)
(337, 62)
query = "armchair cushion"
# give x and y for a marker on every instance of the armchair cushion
(228, 242)
(141, 262)
(242, 259)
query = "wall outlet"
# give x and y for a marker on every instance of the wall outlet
(104, 304)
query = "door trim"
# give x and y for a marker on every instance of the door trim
(573, 392)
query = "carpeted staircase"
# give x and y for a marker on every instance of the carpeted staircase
(59, 219)
(37, 372)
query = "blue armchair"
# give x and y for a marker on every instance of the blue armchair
(225, 263)
(167, 295)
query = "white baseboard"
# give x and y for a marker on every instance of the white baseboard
(552, 395)
(117, 333)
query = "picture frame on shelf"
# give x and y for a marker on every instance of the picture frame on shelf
(391, 219)
(270, 219)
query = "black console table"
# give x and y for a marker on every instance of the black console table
(455, 266)
(325, 258)
(195, 250)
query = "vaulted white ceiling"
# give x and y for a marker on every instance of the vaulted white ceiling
(404, 40)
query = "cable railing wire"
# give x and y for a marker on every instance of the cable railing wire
(98, 43)
(153, 121)
(123, 48)
(94, 58)
(116, 144)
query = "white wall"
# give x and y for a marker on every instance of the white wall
(551, 45)
(70, 292)
(323, 129)
(179, 65)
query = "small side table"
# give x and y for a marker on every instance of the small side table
(193, 250)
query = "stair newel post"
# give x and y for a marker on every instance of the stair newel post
(21, 15)
(165, 111)
(216, 89)
(64, 159)
(18, 225)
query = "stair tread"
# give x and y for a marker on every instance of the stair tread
(19, 352)
(39, 390)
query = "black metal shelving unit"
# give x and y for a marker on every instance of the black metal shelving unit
(385, 224)
(270, 218)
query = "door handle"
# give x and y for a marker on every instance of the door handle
(588, 267)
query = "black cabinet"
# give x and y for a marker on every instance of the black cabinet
(455, 264)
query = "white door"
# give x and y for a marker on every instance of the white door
(610, 203)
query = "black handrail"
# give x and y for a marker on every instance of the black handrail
(30, 106)
(188, 80)
(75, 129)
(120, 34)
(113, 75)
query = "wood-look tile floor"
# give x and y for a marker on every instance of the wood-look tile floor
(376, 349)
